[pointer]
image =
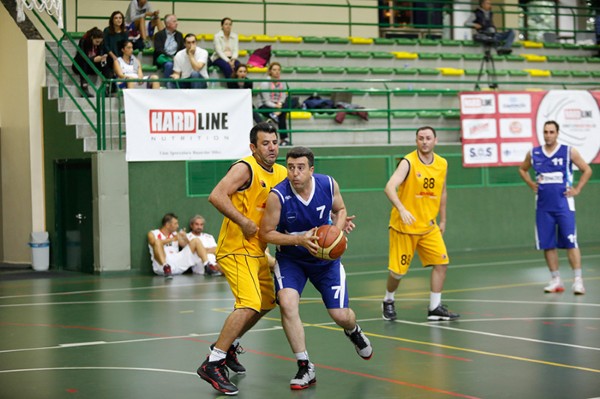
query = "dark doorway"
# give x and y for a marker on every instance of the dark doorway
(74, 228)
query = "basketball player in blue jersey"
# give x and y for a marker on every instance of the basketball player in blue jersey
(555, 205)
(295, 208)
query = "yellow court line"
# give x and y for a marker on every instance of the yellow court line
(518, 358)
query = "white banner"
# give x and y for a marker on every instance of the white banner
(187, 124)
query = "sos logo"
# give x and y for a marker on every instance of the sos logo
(481, 152)
(484, 153)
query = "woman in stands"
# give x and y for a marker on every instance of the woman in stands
(273, 96)
(128, 67)
(240, 72)
(226, 48)
(92, 50)
(114, 34)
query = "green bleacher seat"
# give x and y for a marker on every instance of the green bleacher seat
(470, 43)
(384, 40)
(313, 39)
(322, 115)
(428, 56)
(552, 45)
(581, 74)
(149, 51)
(471, 72)
(570, 46)
(428, 42)
(337, 40)
(76, 35)
(404, 92)
(335, 54)
(369, 92)
(590, 47)
(517, 72)
(428, 71)
(561, 73)
(406, 41)
(285, 53)
(382, 71)
(514, 58)
(451, 56)
(332, 69)
(556, 58)
(381, 54)
(424, 92)
(517, 45)
(310, 53)
(593, 60)
(149, 68)
(449, 92)
(497, 57)
(596, 74)
(404, 114)
(576, 59)
(499, 72)
(472, 57)
(451, 114)
(429, 114)
(357, 70)
(450, 43)
(359, 54)
(406, 71)
(378, 114)
(307, 69)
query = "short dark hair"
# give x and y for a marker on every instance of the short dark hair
(264, 127)
(425, 128)
(168, 217)
(190, 35)
(299, 152)
(552, 123)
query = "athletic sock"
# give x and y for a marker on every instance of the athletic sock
(555, 274)
(236, 342)
(216, 355)
(435, 298)
(352, 330)
(389, 296)
(577, 273)
(301, 355)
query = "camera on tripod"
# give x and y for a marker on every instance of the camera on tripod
(487, 39)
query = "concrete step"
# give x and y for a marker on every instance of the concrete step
(91, 145)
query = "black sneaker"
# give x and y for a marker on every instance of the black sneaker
(361, 343)
(305, 377)
(389, 310)
(441, 313)
(231, 360)
(167, 272)
(215, 373)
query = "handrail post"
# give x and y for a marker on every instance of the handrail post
(264, 17)
(349, 17)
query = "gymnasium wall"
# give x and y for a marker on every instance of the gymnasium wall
(488, 209)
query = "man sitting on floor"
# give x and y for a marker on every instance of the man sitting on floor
(208, 241)
(171, 251)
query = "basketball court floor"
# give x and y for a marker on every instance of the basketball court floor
(74, 335)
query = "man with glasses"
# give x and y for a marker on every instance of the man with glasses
(190, 66)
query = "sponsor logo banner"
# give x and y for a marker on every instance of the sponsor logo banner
(176, 125)
(498, 129)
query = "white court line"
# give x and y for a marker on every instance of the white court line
(131, 341)
(435, 325)
(99, 368)
(358, 299)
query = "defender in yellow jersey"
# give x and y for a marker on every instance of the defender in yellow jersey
(417, 189)
(241, 197)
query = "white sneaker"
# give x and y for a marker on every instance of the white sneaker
(578, 288)
(305, 377)
(555, 285)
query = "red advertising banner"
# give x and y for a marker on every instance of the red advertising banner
(499, 128)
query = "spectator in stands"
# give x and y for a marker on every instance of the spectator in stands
(171, 251)
(190, 63)
(92, 49)
(482, 21)
(114, 34)
(136, 16)
(273, 96)
(167, 43)
(226, 48)
(129, 67)
(240, 72)
(208, 241)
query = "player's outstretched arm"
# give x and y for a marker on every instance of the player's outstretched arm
(220, 197)
(586, 173)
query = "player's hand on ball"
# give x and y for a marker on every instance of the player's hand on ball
(309, 241)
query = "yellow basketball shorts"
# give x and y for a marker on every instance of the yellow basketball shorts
(250, 281)
(430, 247)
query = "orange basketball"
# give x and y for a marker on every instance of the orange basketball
(332, 242)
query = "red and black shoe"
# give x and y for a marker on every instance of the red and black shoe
(215, 373)
(167, 272)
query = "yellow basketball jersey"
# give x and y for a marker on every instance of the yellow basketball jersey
(250, 201)
(420, 193)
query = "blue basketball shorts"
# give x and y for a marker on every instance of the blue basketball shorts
(555, 229)
(329, 279)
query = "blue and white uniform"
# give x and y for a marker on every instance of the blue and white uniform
(554, 174)
(295, 265)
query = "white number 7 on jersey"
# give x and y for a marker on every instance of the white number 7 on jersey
(321, 209)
